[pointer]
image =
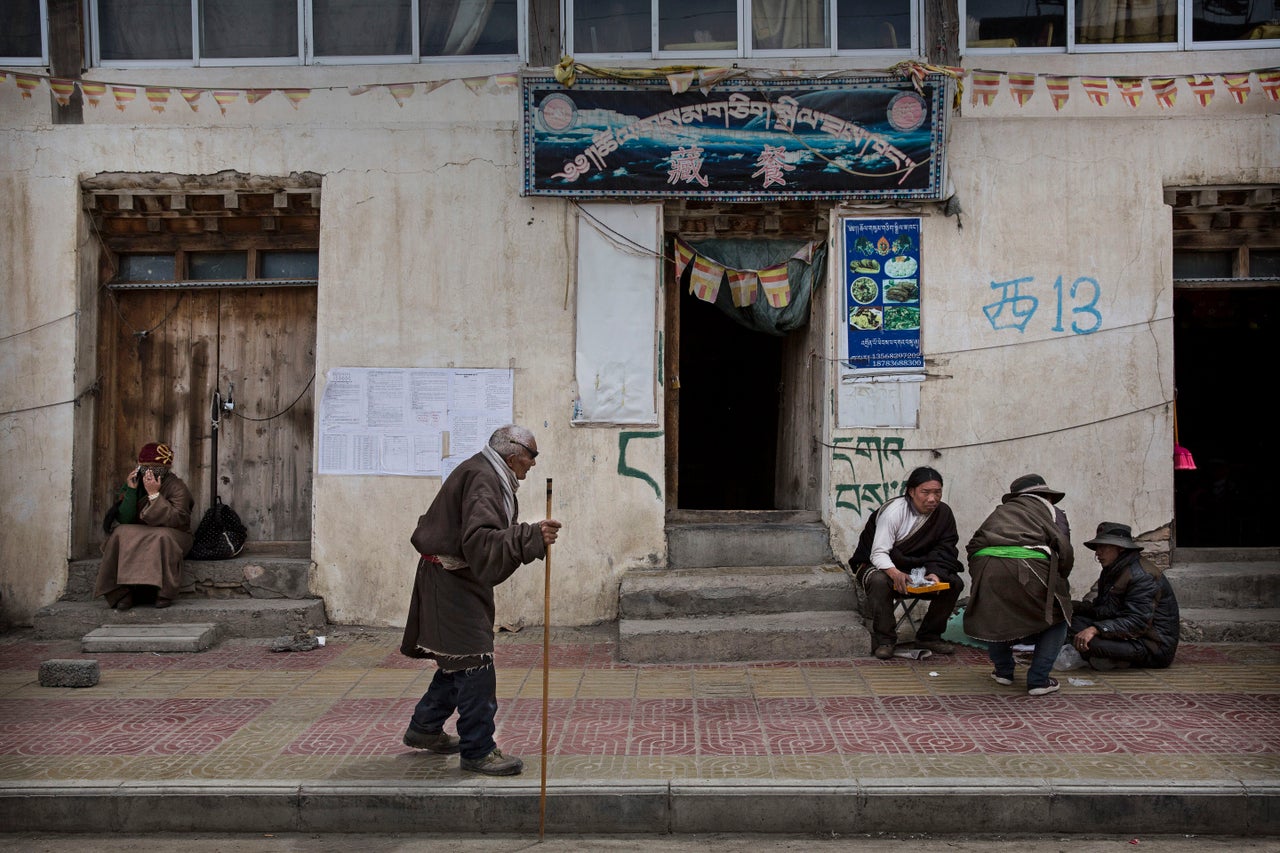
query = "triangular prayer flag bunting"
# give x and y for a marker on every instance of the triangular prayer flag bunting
(475, 84)
(401, 92)
(1059, 90)
(93, 92)
(124, 95)
(157, 97)
(777, 289)
(1022, 86)
(684, 256)
(1130, 89)
(225, 98)
(709, 77)
(805, 252)
(985, 86)
(1203, 89)
(506, 80)
(62, 90)
(255, 95)
(358, 90)
(296, 96)
(191, 96)
(1165, 89)
(743, 285)
(4, 75)
(1096, 88)
(1270, 83)
(431, 85)
(704, 281)
(681, 81)
(1238, 86)
(26, 83)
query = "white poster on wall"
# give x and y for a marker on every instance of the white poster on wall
(411, 422)
(619, 261)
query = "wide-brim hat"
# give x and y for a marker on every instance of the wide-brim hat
(1114, 533)
(1034, 484)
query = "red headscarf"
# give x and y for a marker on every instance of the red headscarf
(155, 453)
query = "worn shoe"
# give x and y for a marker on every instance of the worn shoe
(437, 742)
(124, 602)
(884, 652)
(1045, 689)
(494, 764)
(1006, 680)
(938, 647)
(162, 603)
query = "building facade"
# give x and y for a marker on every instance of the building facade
(270, 206)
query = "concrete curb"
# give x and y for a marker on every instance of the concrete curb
(500, 806)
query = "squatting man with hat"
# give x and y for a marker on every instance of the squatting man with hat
(469, 541)
(1130, 616)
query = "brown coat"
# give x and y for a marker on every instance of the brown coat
(1012, 598)
(150, 552)
(451, 612)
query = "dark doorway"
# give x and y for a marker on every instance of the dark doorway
(729, 401)
(1224, 344)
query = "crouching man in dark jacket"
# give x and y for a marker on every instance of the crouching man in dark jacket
(1130, 617)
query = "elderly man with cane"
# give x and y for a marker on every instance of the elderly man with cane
(469, 541)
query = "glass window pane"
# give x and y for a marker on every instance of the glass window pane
(1232, 20)
(1014, 23)
(362, 27)
(289, 265)
(697, 24)
(1126, 21)
(235, 29)
(873, 25)
(616, 26)
(146, 268)
(217, 266)
(20, 29)
(790, 24)
(145, 29)
(469, 28)
(1188, 264)
(1264, 262)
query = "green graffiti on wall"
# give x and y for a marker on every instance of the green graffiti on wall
(624, 438)
(861, 496)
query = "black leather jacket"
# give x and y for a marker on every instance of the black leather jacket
(1133, 600)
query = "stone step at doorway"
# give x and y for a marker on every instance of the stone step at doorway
(1227, 595)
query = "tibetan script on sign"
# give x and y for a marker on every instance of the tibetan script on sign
(860, 137)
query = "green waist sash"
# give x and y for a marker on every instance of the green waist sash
(1015, 552)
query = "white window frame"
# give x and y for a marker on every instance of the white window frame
(43, 58)
(745, 48)
(306, 42)
(1182, 41)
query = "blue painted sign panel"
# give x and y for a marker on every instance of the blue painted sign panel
(881, 305)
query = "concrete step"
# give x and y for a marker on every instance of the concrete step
(775, 636)
(261, 570)
(1237, 584)
(729, 590)
(178, 637)
(236, 617)
(747, 539)
(1230, 625)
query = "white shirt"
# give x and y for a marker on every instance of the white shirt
(897, 520)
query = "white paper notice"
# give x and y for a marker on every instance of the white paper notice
(402, 421)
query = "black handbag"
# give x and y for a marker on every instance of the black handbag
(220, 536)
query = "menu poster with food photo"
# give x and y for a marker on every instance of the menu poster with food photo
(880, 311)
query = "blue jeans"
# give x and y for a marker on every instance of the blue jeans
(1048, 643)
(473, 693)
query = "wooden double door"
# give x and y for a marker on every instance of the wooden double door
(161, 355)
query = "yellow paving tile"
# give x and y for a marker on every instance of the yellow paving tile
(668, 767)
(829, 767)
(720, 683)
(843, 681)
(663, 684)
(893, 681)
(607, 684)
(561, 684)
(779, 683)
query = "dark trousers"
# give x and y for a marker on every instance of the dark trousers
(473, 693)
(1133, 651)
(881, 602)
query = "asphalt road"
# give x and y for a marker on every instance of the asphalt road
(365, 843)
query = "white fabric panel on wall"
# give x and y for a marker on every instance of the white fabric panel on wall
(618, 269)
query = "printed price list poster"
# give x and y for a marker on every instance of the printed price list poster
(406, 421)
(881, 305)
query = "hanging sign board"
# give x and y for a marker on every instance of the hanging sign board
(880, 311)
(873, 137)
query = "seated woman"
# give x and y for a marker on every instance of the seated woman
(1130, 617)
(144, 551)
(915, 530)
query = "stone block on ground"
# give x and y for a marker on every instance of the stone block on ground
(72, 672)
(175, 637)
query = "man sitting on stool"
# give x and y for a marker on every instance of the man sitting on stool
(914, 530)
(1130, 616)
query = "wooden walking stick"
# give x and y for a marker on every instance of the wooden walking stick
(546, 658)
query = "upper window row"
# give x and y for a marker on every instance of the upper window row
(293, 32)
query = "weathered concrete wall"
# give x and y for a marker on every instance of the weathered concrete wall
(430, 258)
